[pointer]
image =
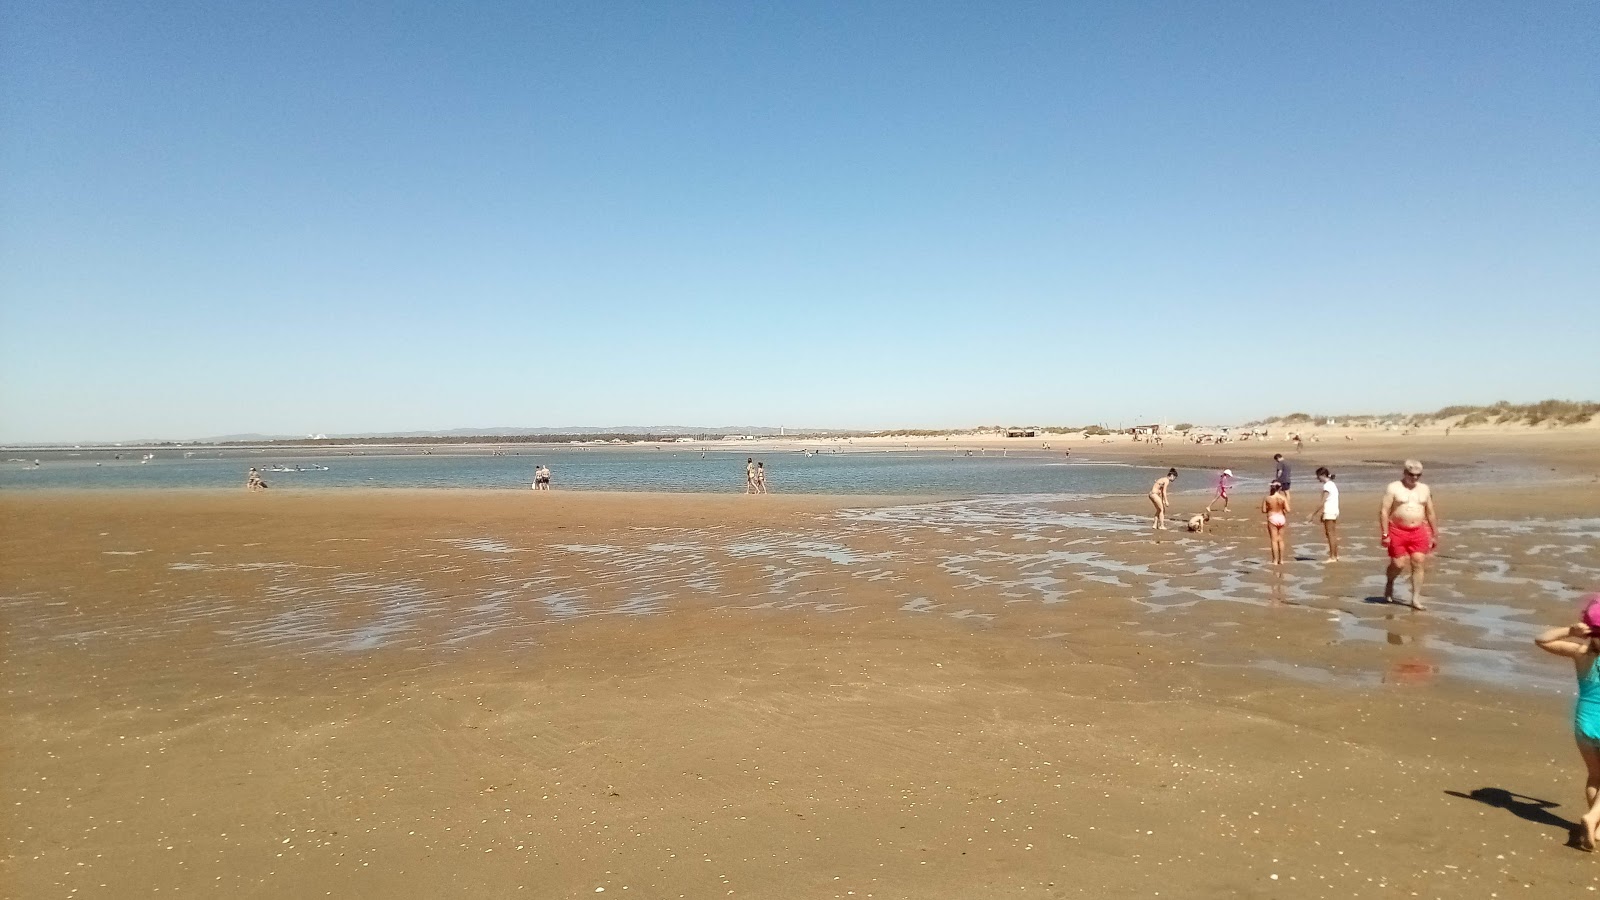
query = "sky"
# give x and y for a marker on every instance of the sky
(286, 218)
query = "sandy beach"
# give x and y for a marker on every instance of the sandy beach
(421, 694)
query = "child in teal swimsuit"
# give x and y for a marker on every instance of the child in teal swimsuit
(1581, 644)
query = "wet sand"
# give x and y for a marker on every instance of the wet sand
(418, 694)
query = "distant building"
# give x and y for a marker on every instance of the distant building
(1145, 429)
(1022, 432)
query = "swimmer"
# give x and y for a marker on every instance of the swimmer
(1328, 512)
(1409, 527)
(1581, 644)
(1197, 522)
(1224, 482)
(1158, 498)
(1276, 507)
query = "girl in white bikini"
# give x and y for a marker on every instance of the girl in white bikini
(1158, 497)
(1276, 506)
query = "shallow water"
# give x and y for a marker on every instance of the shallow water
(884, 472)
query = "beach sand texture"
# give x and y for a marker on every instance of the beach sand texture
(415, 694)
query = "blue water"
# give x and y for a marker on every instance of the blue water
(574, 468)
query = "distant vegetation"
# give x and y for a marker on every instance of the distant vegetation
(1552, 412)
(912, 432)
(463, 439)
(1546, 412)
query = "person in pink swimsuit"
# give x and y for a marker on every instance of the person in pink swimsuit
(1224, 482)
(1276, 508)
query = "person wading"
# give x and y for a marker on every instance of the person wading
(1328, 512)
(1158, 497)
(1409, 528)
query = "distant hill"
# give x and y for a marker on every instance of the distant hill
(456, 435)
(514, 432)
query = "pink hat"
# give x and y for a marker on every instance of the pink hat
(1591, 611)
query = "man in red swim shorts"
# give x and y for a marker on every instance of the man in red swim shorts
(1409, 528)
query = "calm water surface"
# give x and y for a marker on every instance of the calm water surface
(903, 472)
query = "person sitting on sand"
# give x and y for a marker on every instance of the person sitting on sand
(255, 482)
(1409, 528)
(1197, 522)
(1158, 497)
(1581, 643)
(1276, 507)
(1224, 482)
(1328, 512)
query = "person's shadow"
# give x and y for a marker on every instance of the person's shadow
(1530, 809)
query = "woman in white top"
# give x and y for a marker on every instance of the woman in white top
(1328, 512)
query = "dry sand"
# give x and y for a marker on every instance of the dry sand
(415, 694)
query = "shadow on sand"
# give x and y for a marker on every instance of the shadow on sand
(1530, 809)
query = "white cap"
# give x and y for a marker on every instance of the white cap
(1228, 472)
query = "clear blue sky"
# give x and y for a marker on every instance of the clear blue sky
(289, 218)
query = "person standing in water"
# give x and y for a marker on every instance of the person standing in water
(1224, 483)
(1581, 644)
(1280, 472)
(761, 478)
(1409, 527)
(750, 475)
(1158, 498)
(1276, 507)
(1328, 512)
